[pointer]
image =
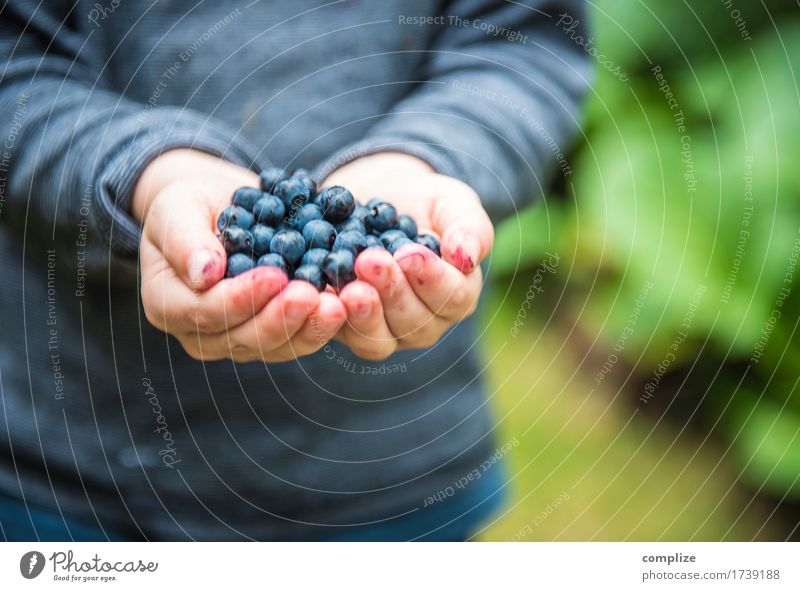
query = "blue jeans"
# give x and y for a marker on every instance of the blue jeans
(454, 518)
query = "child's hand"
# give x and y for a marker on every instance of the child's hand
(410, 299)
(250, 317)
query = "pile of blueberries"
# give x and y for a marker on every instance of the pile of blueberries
(309, 235)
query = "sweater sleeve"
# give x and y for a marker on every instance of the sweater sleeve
(73, 149)
(499, 103)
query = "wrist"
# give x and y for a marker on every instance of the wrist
(186, 164)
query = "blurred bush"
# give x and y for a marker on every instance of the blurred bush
(680, 226)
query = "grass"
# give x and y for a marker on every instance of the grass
(588, 466)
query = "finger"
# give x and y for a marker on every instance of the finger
(408, 318)
(466, 231)
(320, 327)
(366, 331)
(271, 328)
(181, 226)
(172, 307)
(448, 293)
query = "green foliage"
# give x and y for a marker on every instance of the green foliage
(697, 199)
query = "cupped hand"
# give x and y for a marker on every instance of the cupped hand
(409, 299)
(258, 315)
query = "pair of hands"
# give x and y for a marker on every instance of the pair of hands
(398, 302)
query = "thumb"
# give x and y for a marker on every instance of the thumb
(180, 224)
(464, 226)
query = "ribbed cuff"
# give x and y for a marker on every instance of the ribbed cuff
(149, 135)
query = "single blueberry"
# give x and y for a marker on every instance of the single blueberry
(236, 239)
(269, 210)
(319, 234)
(314, 256)
(374, 242)
(407, 225)
(273, 260)
(238, 263)
(351, 224)
(246, 197)
(312, 274)
(271, 177)
(398, 243)
(353, 241)
(262, 235)
(234, 215)
(390, 236)
(300, 217)
(360, 212)
(429, 241)
(293, 192)
(289, 244)
(337, 203)
(382, 216)
(305, 177)
(339, 268)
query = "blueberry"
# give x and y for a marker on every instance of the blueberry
(234, 215)
(271, 177)
(314, 256)
(236, 239)
(312, 274)
(374, 242)
(246, 197)
(351, 224)
(289, 244)
(407, 225)
(353, 241)
(429, 241)
(373, 202)
(360, 212)
(339, 268)
(319, 234)
(269, 210)
(273, 260)
(337, 203)
(238, 263)
(293, 192)
(398, 243)
(382, 216)
(261, 238)
(305, 177)
(390, 236)
(300, 217)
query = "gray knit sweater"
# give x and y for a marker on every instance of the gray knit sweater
(106, 419)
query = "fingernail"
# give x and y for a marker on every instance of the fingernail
(362, 309)
(200, 267)
(411, 263)
(465, 250)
